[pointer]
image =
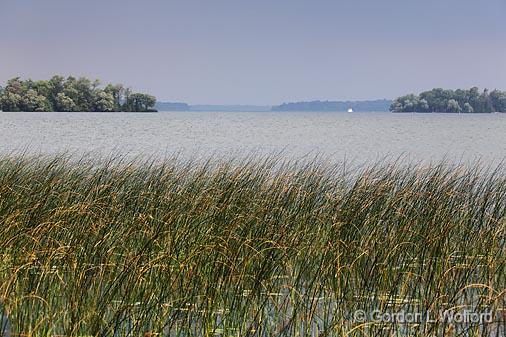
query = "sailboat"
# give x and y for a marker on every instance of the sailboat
(350, 110)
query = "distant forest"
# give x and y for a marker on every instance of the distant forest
(169, 106)
(72, 94)
(453, 101)
(364, 106)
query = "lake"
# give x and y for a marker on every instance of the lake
(356, 137)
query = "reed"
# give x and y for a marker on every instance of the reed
(249, 248)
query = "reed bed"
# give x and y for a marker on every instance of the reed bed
(252, 248)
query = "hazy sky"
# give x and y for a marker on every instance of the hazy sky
(259, 51)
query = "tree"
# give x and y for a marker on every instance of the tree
(12, 95)
(10, 101)
(498, 100)
(441, 100)
(437, 99)
(16, 86)
(485, 104)
(468, 108)
(71, 94)
(64, 103)
(408, 103)
(453, 106)
(56, 86)
(32, 101)
(105, 102)
(140, 102)
(461, 96)
(127, 105)
(423, 106)
(43, 88)
(70, 91)
(149, 102)
(118, 93)
(474, 98)
(86, 94)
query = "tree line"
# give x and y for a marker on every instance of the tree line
(72, 94)
(376, 105)
(456, 101)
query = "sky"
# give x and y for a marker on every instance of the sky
(259, 51)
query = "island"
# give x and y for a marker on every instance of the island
(452, 101)
(72, 94)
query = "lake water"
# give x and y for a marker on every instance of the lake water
(356, 137)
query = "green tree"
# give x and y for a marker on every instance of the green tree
(437, 99)
(453, 106)
(468, 108)
(118, 93)
(105, 102)
(441, 100)
(32, 101)
(44, 88)
(128, 103)
(12, 96)
(140, 102)
(498, 100)
(71, 94)
(64, 103)
(56, 86)
(408, 103)
(10, 101)
(423, 106)
(461, 96)
(474, 98)
(485, 103)
(86, 94)
(70, 91)
(16, 86)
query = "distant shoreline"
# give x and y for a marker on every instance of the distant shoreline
(380, 105)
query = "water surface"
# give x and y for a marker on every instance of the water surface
(357, 137)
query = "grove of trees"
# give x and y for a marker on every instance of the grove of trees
(71, 94)
(456, 101)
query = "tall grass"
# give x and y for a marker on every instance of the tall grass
(257, 248)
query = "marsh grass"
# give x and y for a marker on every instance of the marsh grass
(252, 248)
